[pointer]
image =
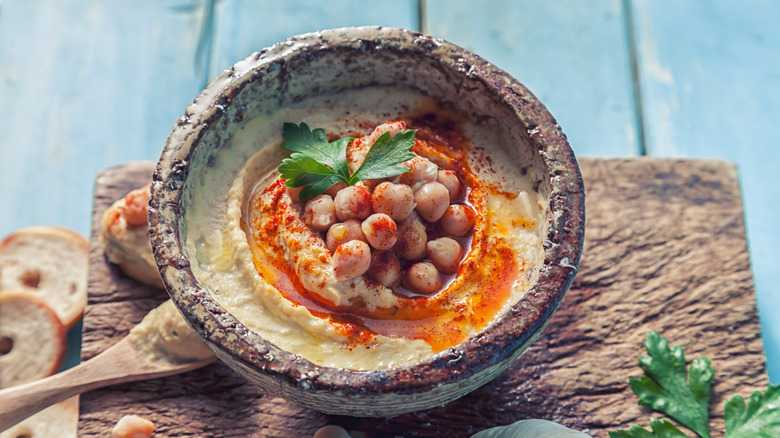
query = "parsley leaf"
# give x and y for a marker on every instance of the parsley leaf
(661, 429)
(759, 419)
(317, 164)
(303, 170)
(385, 155)
(666, 390)
(299, 138)
(669, 389)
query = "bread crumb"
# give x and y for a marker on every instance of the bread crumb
(132, 426)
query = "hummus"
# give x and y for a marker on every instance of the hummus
(251, 249)
(164, 335)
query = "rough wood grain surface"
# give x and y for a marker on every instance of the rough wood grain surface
(664, 250)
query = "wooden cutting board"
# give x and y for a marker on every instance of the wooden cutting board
(665, 250)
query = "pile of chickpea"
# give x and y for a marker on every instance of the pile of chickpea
(381, 230)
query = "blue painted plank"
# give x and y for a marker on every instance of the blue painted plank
(242, 27)
(710, 86)
(573, 55)
(85, 85)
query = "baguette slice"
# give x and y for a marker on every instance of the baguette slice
(59, 420)
(50, 263)
(124, 236)
(32, 339)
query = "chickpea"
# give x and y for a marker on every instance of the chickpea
(358, 149)
(343, 232)
(422, 169)
(395, 200)
(411, 238)
(432, 200)
(422, 277)
(335, 188)
(351, 260)
(450, 180)
(331, 431)
(356, 153)
(353, 202)
(385, 268)
(372, 183)
(391, 127)
(129, 426)
(319, 212)
(294, 193)
(380, 231)
(445, 254)
(457, 220)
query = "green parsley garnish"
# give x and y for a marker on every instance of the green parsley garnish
(684, 395)
(661, 428)
(316, 164)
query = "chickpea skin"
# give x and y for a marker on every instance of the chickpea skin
(351, 260)
(380, 231)
(319, 212)
(457, 220)
(432, 200)
(353, 202)
(343, 232)
(445, 254)
(422, 277)
(395, 200)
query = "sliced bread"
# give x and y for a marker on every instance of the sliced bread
(50, 263)
(59, 420)
(32, 339)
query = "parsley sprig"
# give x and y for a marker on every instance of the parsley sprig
(684, 395)
(316, 164)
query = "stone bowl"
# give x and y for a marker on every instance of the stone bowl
(356, 57)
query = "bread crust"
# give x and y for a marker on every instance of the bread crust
(50, 263)
(34, 339)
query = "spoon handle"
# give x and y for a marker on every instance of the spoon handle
(120, 363)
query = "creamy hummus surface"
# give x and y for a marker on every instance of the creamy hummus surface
(252, 248)
(164, 335)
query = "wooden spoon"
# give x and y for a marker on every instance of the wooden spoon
(121, 363)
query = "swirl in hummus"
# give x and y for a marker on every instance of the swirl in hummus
(261, 258)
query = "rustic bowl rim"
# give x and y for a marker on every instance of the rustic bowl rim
(500, 342)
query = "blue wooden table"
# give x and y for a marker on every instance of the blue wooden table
(87, 84)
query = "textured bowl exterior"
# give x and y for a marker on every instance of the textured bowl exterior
(445, 376)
